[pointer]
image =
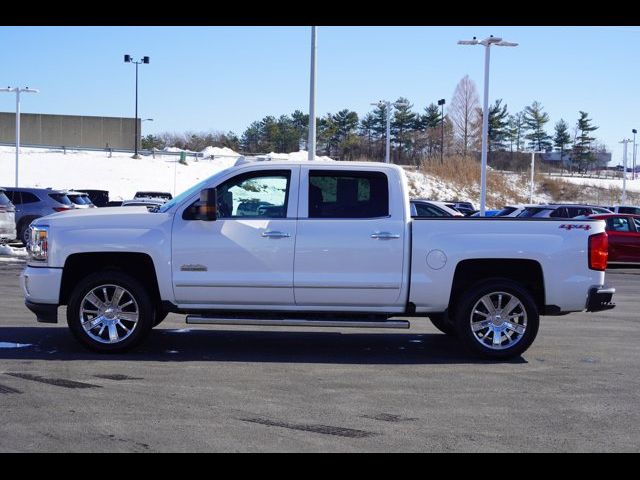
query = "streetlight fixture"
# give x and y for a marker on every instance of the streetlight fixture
(387, 104)
(129, 59)
(18, 91)
(633, 175)
(487, 42)
(311, 147)
(441, 103)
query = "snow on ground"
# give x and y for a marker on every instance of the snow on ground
(121, 175)
(632, 185)
(17, 253)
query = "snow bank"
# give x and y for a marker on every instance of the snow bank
(632, 185)
(7, 251)
(219, 152)
(300, 155)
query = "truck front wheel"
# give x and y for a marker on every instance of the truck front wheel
(110, 311)
(497, 319)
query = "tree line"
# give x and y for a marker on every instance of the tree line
(416, 136)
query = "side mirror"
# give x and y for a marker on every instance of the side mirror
(207, 207)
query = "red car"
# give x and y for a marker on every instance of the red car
(624, 236)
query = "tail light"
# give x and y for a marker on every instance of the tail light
(62, 209)
(598, 251)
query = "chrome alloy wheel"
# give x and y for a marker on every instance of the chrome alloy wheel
(109, 314)
(498, 320)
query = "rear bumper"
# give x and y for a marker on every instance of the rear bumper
(45, 312)
(599, 298)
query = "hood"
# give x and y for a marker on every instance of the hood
(117, 217)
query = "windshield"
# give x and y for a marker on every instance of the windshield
(535, 212)
(505, 211)
(4, 200)
(184, 195)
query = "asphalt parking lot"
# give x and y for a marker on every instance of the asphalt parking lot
(264, 389)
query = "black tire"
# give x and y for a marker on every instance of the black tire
(146, 310)
(23, 229)
(443, 323)
(466, 311)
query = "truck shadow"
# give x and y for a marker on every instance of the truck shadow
(198, 345)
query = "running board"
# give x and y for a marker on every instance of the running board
(295, 322)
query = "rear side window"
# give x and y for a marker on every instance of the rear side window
(4, 200)
(345, 194)
(29, 198)
(631, 210)
(429, 211)
(505, 211)
(534, 212)
(61, 198)
(618, 224)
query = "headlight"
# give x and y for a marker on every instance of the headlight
(38, 246)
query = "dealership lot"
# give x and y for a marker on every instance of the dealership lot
(276, 389)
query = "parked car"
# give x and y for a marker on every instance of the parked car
(625, 209)
(338, 248)
(32, 203)
(558, 211)
(466, 208)
(430, 208)
(487, 213)
(150, 203)
(164, 195)
(99, 198)
(624, 236)
(7, 218)
(80, 199)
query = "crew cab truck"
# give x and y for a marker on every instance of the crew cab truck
(331, 244)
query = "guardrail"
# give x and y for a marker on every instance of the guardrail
(107, 150)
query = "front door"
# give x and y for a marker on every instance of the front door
(245, 257)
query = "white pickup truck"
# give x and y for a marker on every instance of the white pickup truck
(310, 243)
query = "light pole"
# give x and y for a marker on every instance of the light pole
(129, 59)
(311, 147)
(387, 104)
(533, 163)
(487, 42)
(18, 91)
(633, 174)
(624, 171)
(441, 103)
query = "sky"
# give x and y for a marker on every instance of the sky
(224, 78)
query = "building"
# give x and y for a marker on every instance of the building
(602, 159)
(39, 129)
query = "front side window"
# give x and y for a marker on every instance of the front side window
(631, 210)
(344, 194)
(256, 194)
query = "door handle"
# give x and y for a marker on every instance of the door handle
(274, 234)
(384, 235)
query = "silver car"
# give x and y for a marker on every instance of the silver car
(7, 218)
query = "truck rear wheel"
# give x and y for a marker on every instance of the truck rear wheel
(443, 323)
(110, 311)
(497, 319)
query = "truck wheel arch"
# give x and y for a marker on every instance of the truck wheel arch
(527, 273)
(80, 265)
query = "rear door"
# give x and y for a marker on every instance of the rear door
(350, 242)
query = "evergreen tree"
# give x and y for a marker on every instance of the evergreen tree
(535, 119)
(367, 130)
(561, 138)
(583, 154)
(498, 126)
(402, 124)
(516, 131)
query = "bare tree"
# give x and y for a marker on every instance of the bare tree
(463, 112)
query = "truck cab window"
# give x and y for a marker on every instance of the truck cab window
(257, 194)
(344, 194)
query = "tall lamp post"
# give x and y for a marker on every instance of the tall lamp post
(624, 170)
(633, 175)
(129, 59)
(311, 147)
(487, 42)
(441, 103)
(387, 104)
(533, 164)
(18, 91)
